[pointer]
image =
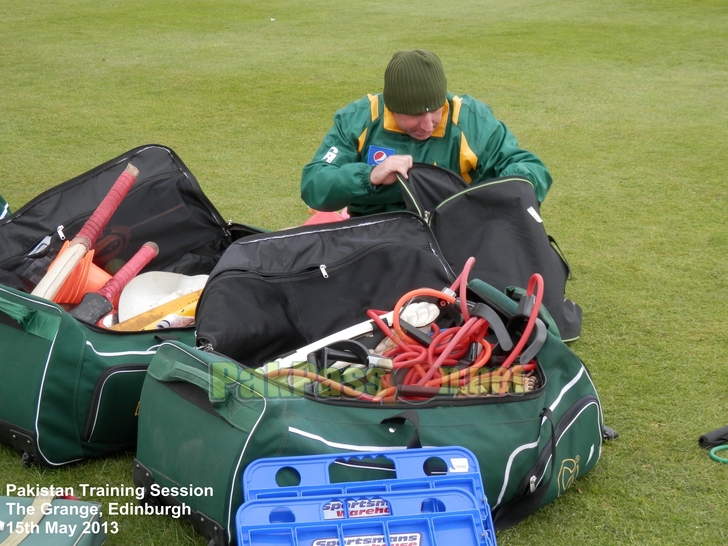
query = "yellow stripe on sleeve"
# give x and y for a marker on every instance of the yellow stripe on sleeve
(374, 105)
(360, 141)
(457, 102)
(468, 160)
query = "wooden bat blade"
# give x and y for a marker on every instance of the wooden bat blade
(87, 236)
(57, 274)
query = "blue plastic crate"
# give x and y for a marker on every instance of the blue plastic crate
(441, 517)
(435, 498)
(425, 468)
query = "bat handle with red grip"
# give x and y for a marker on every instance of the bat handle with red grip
(95, 225)
(130, 270)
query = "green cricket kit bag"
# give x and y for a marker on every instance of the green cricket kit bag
(508, 388)
(70, 389)
(498, 222)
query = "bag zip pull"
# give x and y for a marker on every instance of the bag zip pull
(322, 267)
(205, 345)
(426, 216)
(229, 224)
(532, 484)
(40, 247)
(59, 230)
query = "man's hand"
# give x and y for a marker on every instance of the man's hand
(386, 172)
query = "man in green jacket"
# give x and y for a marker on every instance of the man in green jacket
(414, 119)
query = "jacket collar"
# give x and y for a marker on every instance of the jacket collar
(391, 125)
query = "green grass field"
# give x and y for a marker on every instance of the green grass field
(626, 101)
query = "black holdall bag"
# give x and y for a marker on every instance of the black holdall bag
(71, 390)
(498, 222)
(165, 204)
(274, 292)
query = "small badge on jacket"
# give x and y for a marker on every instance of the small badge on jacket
(377, 154)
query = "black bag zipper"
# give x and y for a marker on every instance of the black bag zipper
(50, 242)
(312, 267)
(303, 273)
(529, 483)
(473, 188)
(428, 215)
(94, 406)
(424, 214)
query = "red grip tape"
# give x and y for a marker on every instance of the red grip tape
(130, 269)
(95, 225)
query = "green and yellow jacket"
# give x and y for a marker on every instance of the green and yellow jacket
(469, 140)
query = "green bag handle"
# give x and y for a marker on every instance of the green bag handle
(33, 321)
(168, 368)
(221, 397)
(190, 374)
(205, 370)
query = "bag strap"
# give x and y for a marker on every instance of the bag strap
(34, 321)
(29, 521)
(517, 510)
(407, 415)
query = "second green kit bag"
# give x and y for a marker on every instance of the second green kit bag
(534, 422)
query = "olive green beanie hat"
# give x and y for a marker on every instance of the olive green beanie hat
(414, 83)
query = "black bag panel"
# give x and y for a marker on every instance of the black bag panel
(498, 223)
(271, 294)
(167, 212)
(307, 247)
(69, 204)
(165, 205)
(492, 222)
(428, 186)
(249, 318)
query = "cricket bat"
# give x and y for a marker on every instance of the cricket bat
(57, 274)
(96, 305)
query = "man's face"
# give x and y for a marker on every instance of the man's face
(421, 126)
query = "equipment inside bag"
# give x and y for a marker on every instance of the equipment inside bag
(433, 343)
